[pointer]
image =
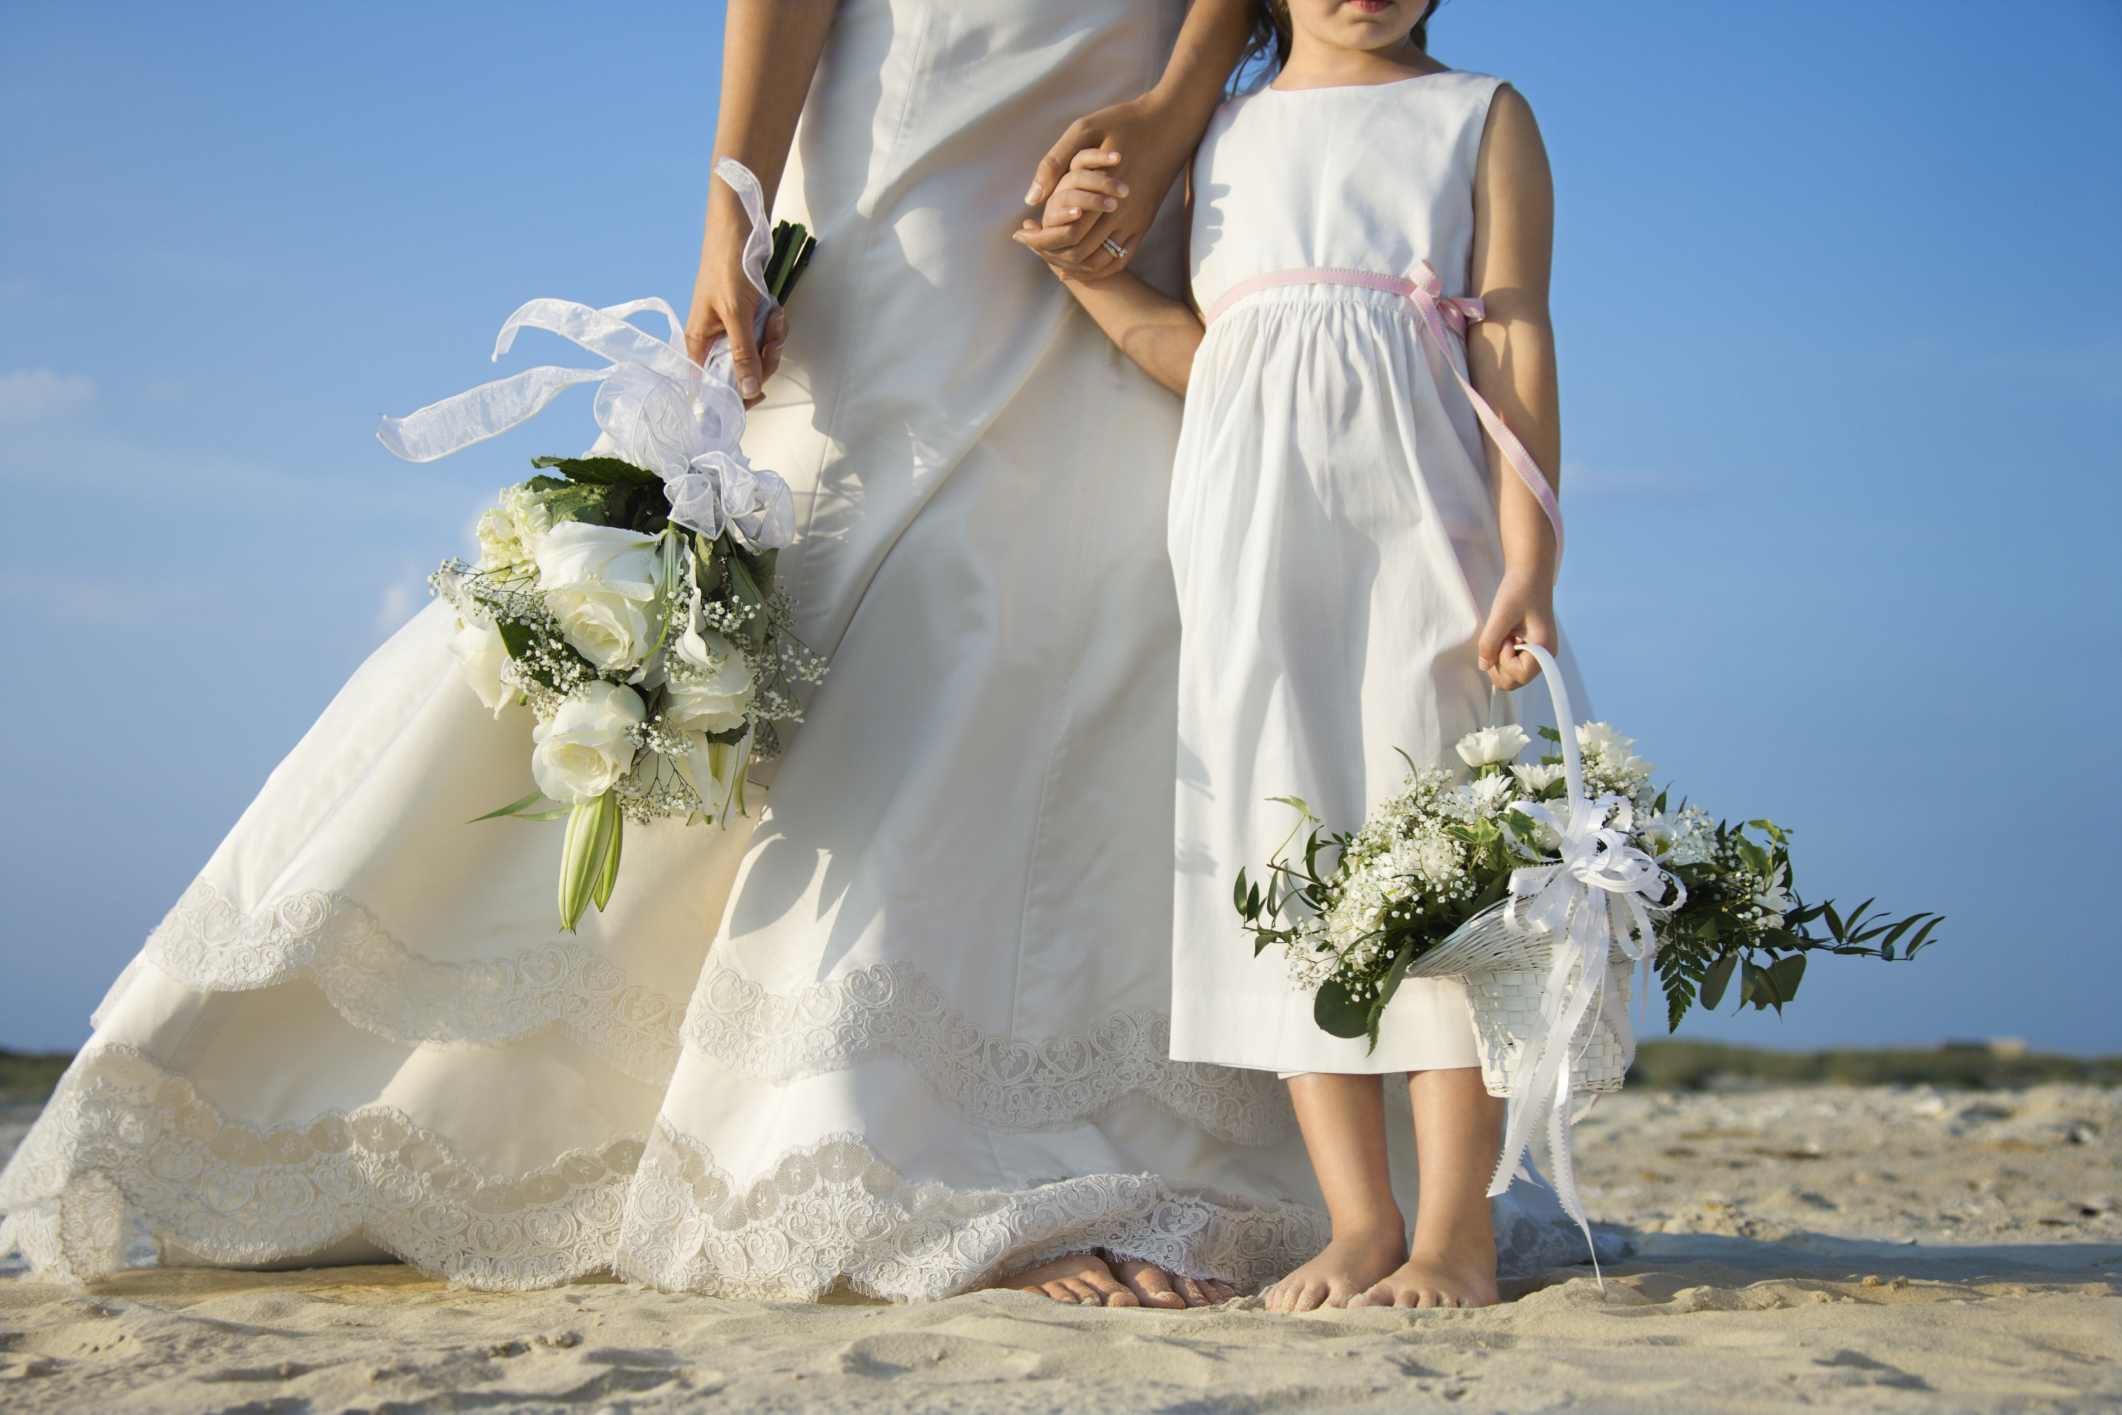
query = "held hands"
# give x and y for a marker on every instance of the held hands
(1524, 612)
(1082, 195)
(1146, 148)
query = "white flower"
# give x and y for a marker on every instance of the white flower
(506, 532)
(710, 768)
(1484, 795)
(1536, 779)
(1493, 744)
(599, 582)
(1600, 740)
(480, 653)
(711, 697)
(583, 751)
(1774, 899)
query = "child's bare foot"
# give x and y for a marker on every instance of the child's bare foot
(1157, 1288)
(1347, 1268)
(1430, 1279)
(1082, 1279)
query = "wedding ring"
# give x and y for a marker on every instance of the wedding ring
(1114, 248)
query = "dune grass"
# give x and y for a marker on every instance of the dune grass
(27, 1077)
(1685, 1065)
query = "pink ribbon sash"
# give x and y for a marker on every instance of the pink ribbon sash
(1435, 312)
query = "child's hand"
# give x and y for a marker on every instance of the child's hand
(1524, 612)
(1084, 193)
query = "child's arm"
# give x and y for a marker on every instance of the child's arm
(1156, 331)
(1510, 356)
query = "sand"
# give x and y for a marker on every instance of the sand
(1853, 1249)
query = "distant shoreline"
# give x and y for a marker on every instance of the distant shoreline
(27, 1078)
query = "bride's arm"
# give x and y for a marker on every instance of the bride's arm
(1154, 135)
(770, 50)
(1159, 333)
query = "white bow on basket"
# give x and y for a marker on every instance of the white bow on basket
(1599, 899)
(658, 409)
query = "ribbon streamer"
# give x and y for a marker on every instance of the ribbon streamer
(1598, 898)
(657, 408)
(1435, 313)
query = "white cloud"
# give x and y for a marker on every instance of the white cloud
(32, 395)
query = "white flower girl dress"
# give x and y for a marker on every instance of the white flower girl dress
(1333, 528)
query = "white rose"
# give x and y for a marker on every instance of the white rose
(505, 533)
(610, 630)
(584, 751)
(480, 653)
(1599, 740)
(1493, 744)
(712, 696)
(599, 582)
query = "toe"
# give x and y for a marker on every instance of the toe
(1151, 1285)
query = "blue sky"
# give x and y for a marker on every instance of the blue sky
(1841, 331)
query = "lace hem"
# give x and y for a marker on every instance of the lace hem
(124, 1137)
(834, 1211)
(377, 984)
(990, 1080)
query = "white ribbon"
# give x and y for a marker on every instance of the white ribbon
(1595, 899)
(658, 409)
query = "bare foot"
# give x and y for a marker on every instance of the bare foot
(1430, 1279)
(1348, 1267)
(1082, 1279)
(1158, 1288)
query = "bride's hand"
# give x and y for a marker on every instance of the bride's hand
(724, 302)
(1152, 146)
(1524, 612)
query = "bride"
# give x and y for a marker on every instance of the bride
(906, 1034)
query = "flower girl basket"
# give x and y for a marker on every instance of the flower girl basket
(1547, 973)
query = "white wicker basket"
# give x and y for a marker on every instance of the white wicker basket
(1505, 970)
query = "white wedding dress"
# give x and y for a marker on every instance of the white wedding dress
(928, 1044)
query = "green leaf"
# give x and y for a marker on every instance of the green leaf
(510, 809)
(1717, 979)
(579, 503)
(1338, 1012)
(1238, 894)
(759, 564)
(599, 471)
(516, 638)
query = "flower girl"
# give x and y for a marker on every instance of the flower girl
(1357, 568)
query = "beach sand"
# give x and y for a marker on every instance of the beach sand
(1853, 1249)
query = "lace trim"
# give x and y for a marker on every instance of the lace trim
(990, 1080)
(124, 1137)
(377, 984)
(834, 1211)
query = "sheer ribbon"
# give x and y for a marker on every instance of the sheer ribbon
(1596, 900)
(658, 409)
(1435, 314)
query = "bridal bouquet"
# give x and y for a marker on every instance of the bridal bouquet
(1702, 901)
(629, 599)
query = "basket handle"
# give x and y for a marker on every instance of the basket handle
(1565, 720)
